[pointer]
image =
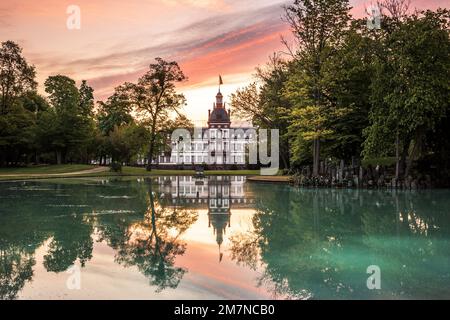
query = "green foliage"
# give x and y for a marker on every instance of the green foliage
(86, 99)
(124, 142)
(410, 90)
(136, 119)
(345, 92)
(320, 28)
(115, 112)
(349, 91)
(67, 127)
(16, 132)
(116, 167)
(154, 98)
(383, 161)
(264, 104)
(16, 75)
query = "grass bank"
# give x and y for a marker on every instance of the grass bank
(46, 169)
(46, 172)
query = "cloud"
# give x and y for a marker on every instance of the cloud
(5, 18)
(213, 4)
(226, 42)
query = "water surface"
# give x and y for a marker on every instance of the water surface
(219, 238)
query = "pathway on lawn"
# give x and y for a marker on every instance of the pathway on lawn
(89, 171)
(270, 179)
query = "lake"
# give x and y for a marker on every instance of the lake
(220, 238)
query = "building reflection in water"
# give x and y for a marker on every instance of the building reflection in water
(218, 194)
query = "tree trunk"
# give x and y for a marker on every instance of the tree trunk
(403, 157)
(417, 146)
(285, 154)
(152, 145)
(58, 157)
(150, 154)
(2, 158)
(316, 157)
(397, 156)
(64, 157)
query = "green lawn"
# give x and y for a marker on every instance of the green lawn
(46, 169)
(126, 171)
(386, 161)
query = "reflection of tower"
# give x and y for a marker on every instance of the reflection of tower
(219, 212)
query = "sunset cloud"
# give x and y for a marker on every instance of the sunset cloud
(118, 41)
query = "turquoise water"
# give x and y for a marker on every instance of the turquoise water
(219, 238)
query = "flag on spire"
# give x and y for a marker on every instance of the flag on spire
(220, 80)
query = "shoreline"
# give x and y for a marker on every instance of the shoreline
(270, 179)
(131, 173)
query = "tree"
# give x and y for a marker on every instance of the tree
(263, 103)
(16, 135)
(86, 99)
(318, 27)
(163, 140)
(155, 97)
(116, 111)
(16, 75)
(16, 122)
(349, 74)
(35, 105)
(246, 103)
(127, 142)
(410, 91)
(71, 126)
(397, 9)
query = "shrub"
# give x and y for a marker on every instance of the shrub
(116, 167)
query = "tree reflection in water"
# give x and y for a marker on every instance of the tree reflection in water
(154, 243)
(16, 268)
(319, 243)
(307, 243)
(70, 242)
(143, 230)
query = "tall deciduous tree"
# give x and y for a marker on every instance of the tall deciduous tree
(263, 103)
(116, 111)
(86, 99)
(319, 27)
(16, 75)
(411, 90)
(155, 97)
(71, 126)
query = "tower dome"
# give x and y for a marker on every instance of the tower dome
(219, 115)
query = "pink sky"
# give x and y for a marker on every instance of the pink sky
(119, 39)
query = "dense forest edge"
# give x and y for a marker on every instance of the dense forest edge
(355, 105)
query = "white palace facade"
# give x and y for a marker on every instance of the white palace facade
(220, 144)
